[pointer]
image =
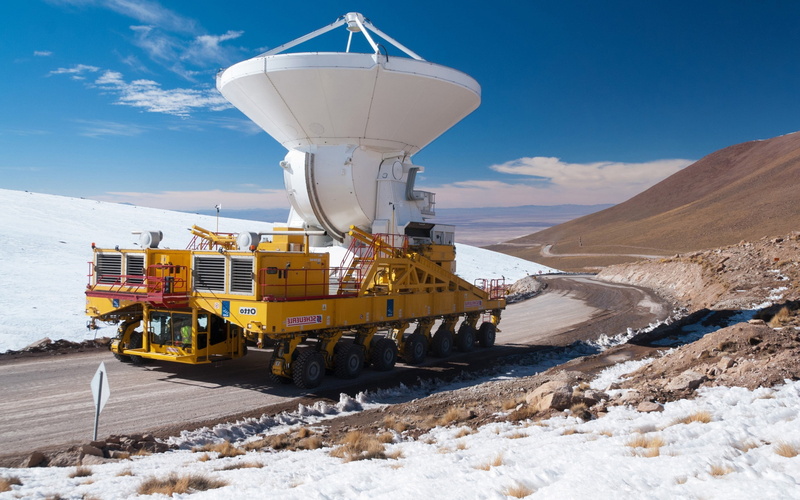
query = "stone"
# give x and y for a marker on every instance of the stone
(38, 344)
(119, 455)
(649, 406)
(97, 444)
(34, 459)
(689, 379)
(65, 459)
(725, 363)
(93, 460)
(87, 449)
(553, 395)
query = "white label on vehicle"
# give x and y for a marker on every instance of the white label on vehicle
(472, 303)
(311, 319)
(247, 311)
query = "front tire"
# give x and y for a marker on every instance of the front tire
(487, 334)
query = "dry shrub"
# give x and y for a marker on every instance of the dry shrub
(746, 446)
(464, 431)
(386, 437)
(787, 450)
(454, 415)
(720, 470)
(357, 445)
(205, 457)
(224, 449)
(81, 471)
(179, 484)
(243, 465)
(274, 441)
(393, 423)
(126, 472)
(606, 433)
(310, 443)
(142, 453)
(395, 455)
(511, 404)
(781, 318)
(461, 445)
(681, 480)
(524, 412)
(701, 416)
(303, 432)
(569, 432)
(7, 482)
(518, 491)
(496, 462)
(646, 446)
(581, 411)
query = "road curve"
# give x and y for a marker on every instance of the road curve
(47, 401)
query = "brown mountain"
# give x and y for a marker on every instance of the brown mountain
(742, 192)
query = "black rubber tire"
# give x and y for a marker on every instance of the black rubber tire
(486, 334)
(415, 349)
(349, 360)
(122, 357)
(442, 343)
(384, 354)
(135, 341)
(465, 340)
(279, 379)
(309, 369)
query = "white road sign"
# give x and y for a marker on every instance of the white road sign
(100, 388)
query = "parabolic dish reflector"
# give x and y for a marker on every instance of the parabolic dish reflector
(328, 98)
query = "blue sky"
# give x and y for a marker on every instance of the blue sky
(582, 102)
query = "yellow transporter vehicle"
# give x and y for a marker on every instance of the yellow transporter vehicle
(201, 304)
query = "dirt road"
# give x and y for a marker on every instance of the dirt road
(47, 401)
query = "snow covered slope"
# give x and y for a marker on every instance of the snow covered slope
(46, 245)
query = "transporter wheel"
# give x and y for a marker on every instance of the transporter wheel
(442, 344)
(486, 334)
(349, 361)
(122, 357)
(415, 349)
(135, 342)
(465, 340)
(309, 369)
(384, 354)
(279, 379)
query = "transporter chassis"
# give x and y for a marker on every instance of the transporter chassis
(206, 303)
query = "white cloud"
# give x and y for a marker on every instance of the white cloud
(148, 95)
(76, 72)
(42, 53)
(550, 181)
(144, 11)
(188, 200)
(98, 128)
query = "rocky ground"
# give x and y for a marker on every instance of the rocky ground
(711, 287)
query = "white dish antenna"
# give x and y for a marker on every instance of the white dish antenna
(343, 116)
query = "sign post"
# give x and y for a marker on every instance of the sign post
(100, 392)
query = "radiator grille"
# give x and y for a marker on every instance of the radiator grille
(134, 267)
(209, 273)
(109, 268)
(242, 275)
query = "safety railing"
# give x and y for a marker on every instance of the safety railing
(279, 285)
(162, 284)
(496, 287)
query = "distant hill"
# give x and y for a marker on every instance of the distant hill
(746, 191)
